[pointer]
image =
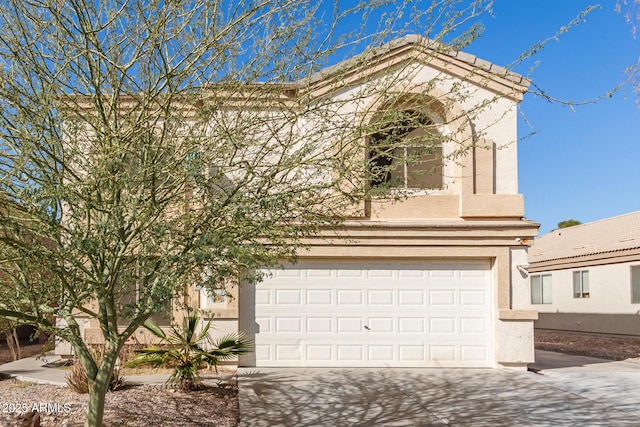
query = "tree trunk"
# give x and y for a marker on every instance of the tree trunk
(97, 392)
(13, 343)
(99, 386)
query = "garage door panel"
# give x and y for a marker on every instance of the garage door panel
(408, 325)
(290, 353)
(319, 297)
(374, 314)
(350, 352)
(473, 297)
(473, 325)
(381, 297)
(411, 297)
(350, 325)
(320, 325)
(320, 353)
(382, 353)
(288, 325)
(288, 296)
(442, 297)
(350, 297)
(442, 353)
(322, 273)
(380, 325)
(473, 353)
(412, 353)
(351, 273)
(442, 325)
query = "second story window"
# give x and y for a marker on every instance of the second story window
(581, 284)
(406, 152)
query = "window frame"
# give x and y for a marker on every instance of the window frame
(544, 297)
(581, 287)
(398, 177)
(635, 282)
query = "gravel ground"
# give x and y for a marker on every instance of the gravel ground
(132, 406)
(144, 406)
(627, 349)
(139, 406)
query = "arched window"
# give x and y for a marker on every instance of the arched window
(405, 152)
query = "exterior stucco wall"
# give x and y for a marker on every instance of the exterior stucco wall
(520, 295)
(593, 323)
(463, 220)
(610, 290)
(496, 121)
(516, 348)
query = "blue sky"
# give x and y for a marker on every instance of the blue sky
(582, 164)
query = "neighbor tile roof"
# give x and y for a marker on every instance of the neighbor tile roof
(608, 235)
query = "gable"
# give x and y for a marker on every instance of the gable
(419, 50)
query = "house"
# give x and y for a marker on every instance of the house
(426, 279)
(586, 278)
(429, 280)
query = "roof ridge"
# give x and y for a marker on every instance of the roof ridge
(418, 40)
(612, 234)
(611, 218)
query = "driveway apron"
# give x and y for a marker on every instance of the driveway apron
(433, 397)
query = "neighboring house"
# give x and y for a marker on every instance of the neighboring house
(429, 280)
(586, 278)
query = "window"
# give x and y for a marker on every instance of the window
(581, 284)
(406, 153)
(635, 284)
(135, 286)
(541, 289)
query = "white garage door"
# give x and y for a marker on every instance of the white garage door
(373, 314)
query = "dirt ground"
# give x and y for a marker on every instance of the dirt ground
(610, 348)
(28, 348)
(132, 406)
(144, 406)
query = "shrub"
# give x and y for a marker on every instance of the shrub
(185, 351)
(77, 376)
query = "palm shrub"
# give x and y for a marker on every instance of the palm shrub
(187, 351)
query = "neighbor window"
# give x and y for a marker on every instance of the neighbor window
(406, 153)
(581, 284)
(541, 289)
(635, 284)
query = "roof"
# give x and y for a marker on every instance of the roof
(616, 234)
(439, 55)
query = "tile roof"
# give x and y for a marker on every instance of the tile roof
(428, 44)
(614, 234)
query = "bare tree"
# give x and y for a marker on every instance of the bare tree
(631, 11)
(147, 146)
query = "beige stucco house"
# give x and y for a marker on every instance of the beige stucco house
(586, 278)
(430, 279)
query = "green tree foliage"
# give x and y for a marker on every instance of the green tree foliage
(568, 223)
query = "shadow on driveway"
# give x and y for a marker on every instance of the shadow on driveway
(414, 397)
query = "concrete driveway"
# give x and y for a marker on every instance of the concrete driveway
(568, 391)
